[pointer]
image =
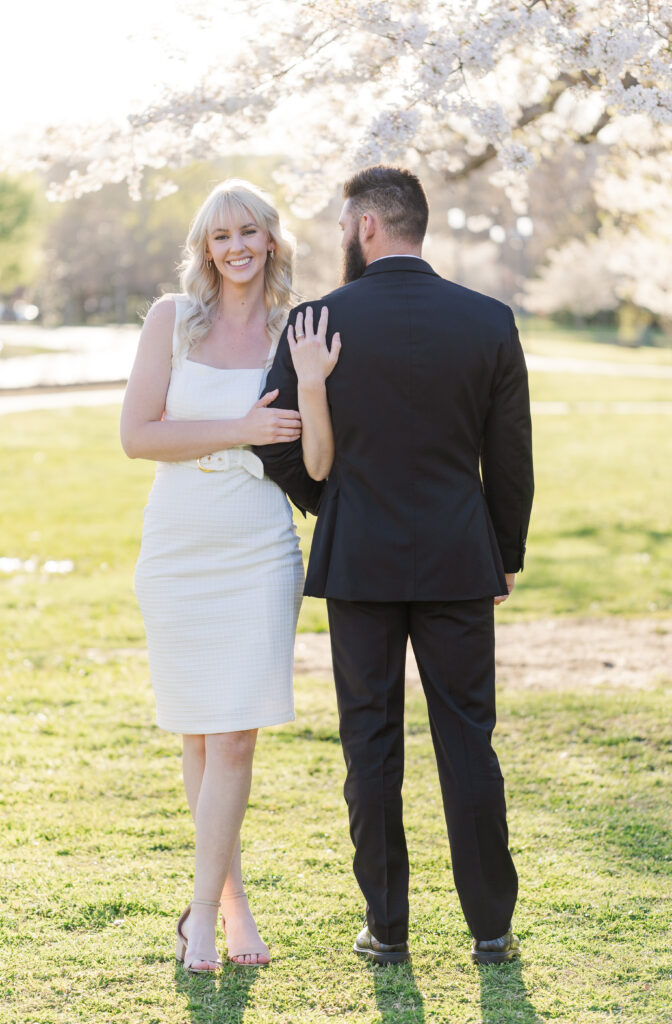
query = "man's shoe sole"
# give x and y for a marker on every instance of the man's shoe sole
(383, 958)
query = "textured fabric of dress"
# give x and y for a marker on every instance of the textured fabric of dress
(220, 576)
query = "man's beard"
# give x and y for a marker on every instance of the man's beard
(354, 263)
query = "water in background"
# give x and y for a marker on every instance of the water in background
(75, 355)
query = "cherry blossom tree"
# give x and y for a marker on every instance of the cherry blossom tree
(626, 261)
(338, 84)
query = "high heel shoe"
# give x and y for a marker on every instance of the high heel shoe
(182, 942)
(262, 948)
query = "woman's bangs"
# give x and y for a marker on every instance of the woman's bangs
(228, 210)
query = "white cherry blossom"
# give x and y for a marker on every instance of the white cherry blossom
(494, 82)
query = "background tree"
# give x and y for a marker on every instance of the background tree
(497, 95)
(499, 83)
(19, 233)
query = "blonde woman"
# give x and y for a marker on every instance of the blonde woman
(220, 576)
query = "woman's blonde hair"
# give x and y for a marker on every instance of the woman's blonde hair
(202, 283)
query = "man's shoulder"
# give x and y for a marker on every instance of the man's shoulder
(344, 292)
(467, 299)
(469, 296)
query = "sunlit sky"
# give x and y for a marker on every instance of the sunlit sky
(75, 60)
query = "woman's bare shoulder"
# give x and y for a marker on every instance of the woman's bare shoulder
(162, 311)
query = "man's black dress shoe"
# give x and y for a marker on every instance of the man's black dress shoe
(367, 944)
(496, 951)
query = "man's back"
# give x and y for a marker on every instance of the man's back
(425, 509)
(403, 516)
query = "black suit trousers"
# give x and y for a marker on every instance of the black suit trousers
(453, 642)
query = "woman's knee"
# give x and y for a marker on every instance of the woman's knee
(193, 745)
(234, 748)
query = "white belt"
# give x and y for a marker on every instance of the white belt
(228, 458)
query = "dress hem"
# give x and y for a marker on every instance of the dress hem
(279, 719)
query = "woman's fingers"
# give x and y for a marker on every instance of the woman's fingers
(305, 326)
(267, 399)
(335, 350)
(322, 325)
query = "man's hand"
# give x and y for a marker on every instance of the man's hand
(510, 582)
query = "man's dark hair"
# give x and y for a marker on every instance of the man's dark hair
(396, 195)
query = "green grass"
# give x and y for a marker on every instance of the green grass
(599, 539)
(8, 351)
(97, 851)
(97, 842)
(543, 337)
(590, 387)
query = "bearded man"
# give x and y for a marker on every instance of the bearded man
(421, 530)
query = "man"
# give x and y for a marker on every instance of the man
(412, 540)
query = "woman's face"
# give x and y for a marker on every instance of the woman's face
(238, 247)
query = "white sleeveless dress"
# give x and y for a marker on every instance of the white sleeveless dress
(219, 578)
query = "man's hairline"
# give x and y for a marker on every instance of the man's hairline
(388, 234)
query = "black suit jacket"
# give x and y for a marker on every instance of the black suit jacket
(430, 494)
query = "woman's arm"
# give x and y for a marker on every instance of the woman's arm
(146, 435)
(313, 363)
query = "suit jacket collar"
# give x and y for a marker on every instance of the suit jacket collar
(390, 264)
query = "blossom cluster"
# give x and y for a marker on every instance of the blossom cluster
(627, 258)
(460, 84)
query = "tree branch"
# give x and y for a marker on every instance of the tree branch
(536, 110)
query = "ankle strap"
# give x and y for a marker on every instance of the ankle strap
(207, 903)
(233, 895)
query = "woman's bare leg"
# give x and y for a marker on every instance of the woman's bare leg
(241, 929)
(219, 812)
(193, 766)
(244, 943)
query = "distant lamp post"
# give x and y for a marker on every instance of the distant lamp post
(457, 219)
(524, 231)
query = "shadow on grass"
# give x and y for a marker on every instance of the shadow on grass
(504, 996)
(216, 999)
(397, 995)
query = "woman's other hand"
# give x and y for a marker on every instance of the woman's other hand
(270, 426)
(313, 361)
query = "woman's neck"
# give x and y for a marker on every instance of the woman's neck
(242, 304)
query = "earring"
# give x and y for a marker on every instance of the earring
(271, 253)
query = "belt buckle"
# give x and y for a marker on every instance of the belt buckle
(203, 468)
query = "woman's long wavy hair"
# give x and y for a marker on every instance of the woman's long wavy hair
(202, 283)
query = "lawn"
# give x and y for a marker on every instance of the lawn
(97, 850)
(543, 337)
(599, 540)
(97, 843)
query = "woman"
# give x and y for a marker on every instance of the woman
(220, 575)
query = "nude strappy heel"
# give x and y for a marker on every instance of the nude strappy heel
(182, 941)
(246, 952)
